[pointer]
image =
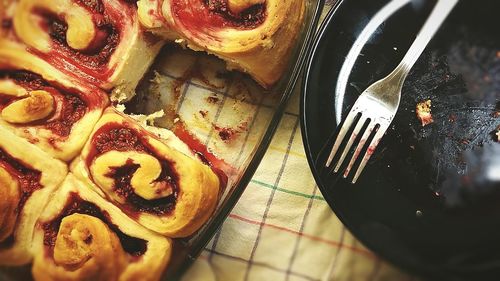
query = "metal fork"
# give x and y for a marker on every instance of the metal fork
(376, 107)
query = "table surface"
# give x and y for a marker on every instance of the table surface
(283, 229)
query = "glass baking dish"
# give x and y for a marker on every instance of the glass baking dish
(225, 111)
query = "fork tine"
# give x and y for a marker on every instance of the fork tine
(360, 146)
(354, 134)
(371, 148)
(340, 137)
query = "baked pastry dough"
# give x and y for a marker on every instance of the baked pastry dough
(132, 187)
(100, 42)
(42, 105)
(81, 236)
(28, 176)
(162, 188)
(254, 36)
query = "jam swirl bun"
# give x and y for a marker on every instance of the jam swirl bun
(253, 36)
(28, 176)
(81, 236)
(168, 191)
(100, 42)
(39, 103)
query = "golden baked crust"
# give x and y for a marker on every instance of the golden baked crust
(132, 188)
(44, 106)
(100, 42)
(163, 189)
(260, 46)
(91, 240)
(28, 176)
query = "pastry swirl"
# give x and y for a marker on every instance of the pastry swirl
(44, 106)
(100, 42)
(80, 236)
(254, 36)
(86, 244)
(27, 178)
(11, 197)
(162, 188)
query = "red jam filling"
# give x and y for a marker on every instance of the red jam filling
(28, 179)
(199, 15)
(218, 166)
(75, 204)
(115, 136)
(91, 63)
(73, 108)
(100, 49)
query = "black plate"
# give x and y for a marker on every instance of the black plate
(429, 199)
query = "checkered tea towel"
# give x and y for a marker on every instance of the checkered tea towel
(282, 228)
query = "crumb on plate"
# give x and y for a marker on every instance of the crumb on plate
(424, 112)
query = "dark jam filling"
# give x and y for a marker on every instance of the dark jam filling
(100, 49)
(115, 136)
(248, 18)
(134, 246)
(28, 178)
(8, 242)
(29, 182)
(7, 23)
(209, 14)
(123, 175)
(95, 6)
(103, 45)
(73, 108)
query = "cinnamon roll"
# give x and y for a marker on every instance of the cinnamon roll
(164, 189)
(81, 236)
(254, 36)
(28, 176)
(44, 106)
(100, 42)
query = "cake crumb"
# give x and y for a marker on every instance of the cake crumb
(147, 119)
(203, 113)
(424, 112)
(213, 99)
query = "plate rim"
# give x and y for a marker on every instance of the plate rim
(378, 251)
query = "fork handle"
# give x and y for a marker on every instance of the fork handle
(431, 26)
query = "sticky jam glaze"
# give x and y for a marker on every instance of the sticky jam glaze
(97, 54)
(75, 204)
(119, 137)
(72, 107)
(202, 15)
(218, 166)
(28, 179)
(91, 63)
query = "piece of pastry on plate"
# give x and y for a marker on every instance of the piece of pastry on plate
(99, 42)
(159, 183)
(28, 176)
(253, 36)
(81, 236)
(44, 106)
